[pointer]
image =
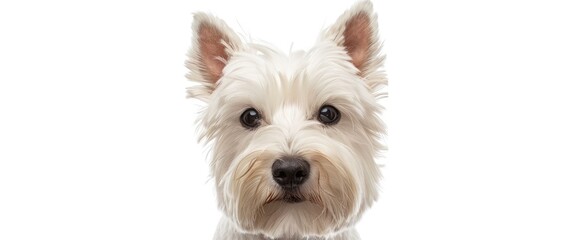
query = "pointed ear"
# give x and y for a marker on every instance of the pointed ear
(356, 30)
(212, 46)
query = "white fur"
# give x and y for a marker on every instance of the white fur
(288, 91)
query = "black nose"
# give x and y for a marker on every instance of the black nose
(290, 172)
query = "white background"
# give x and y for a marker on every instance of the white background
(97, 139)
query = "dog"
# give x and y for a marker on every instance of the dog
(294, 137)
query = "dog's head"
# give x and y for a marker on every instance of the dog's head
(294, 136)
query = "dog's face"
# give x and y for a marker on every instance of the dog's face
(294, 137)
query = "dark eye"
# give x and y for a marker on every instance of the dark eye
(250, 118)
(328, 115)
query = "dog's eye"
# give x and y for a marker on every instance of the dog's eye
(250, 118)
(328, 115)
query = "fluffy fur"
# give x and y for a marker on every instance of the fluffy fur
(344, 70)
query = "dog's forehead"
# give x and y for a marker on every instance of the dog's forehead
(268, 80)
(265, 69)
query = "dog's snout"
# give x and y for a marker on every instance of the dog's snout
(290, 172)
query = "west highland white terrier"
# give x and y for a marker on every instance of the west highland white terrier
(293, 137)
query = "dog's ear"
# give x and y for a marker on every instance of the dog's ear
(356, 30)
(213, 44)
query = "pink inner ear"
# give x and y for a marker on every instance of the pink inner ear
(357, 37)
(212, 51)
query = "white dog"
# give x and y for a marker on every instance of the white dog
(294, 137)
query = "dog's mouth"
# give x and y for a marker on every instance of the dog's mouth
(287, 195)
(292, 195)
(293, 198)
